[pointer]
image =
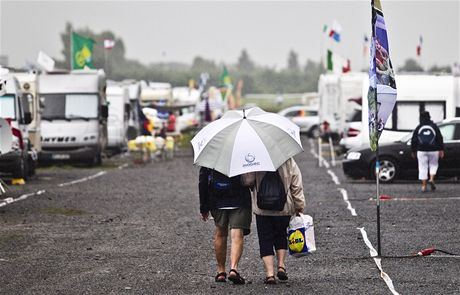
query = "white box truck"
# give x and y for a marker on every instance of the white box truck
(74, 119)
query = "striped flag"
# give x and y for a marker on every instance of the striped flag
(109, 43)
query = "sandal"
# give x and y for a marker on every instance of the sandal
(221, 277)
(270, 280)
(237, 279)
(282, 274)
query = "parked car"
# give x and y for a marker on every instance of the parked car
(396, 160)
(306, 117)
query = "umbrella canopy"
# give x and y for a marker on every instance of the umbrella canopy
(246, 141)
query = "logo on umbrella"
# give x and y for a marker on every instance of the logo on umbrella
(201, 144)
(250, 158)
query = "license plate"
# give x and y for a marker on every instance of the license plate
(60, 156)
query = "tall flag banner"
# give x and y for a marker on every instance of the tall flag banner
(82, 52)
(382, 85)
(337, 64)
(419, 46)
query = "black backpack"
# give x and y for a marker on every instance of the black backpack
(271, 194)
(220, 185)
(426, 135)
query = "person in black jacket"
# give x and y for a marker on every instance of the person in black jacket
(230, 205)
(428, 145)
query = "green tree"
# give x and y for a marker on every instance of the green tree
(245, 63)
(293, 62)
(411, 65)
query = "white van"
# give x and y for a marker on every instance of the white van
(19, 162)
(135, 123)
(119, 110)
(437, 94)
(74, 119)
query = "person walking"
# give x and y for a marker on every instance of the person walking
(272, 223)
(428, 146)
(229, 203)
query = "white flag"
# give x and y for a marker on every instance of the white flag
(109, 43)
(46, 62)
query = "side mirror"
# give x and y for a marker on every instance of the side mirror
(104, 111)
(27, 118)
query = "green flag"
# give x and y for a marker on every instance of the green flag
(225, 78)
(82, 52)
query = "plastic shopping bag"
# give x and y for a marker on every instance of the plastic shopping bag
(301, 236)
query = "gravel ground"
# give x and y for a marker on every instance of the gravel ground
(136, 230)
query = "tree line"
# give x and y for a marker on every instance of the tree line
(294, 78)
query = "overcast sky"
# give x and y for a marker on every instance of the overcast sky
(156, 31)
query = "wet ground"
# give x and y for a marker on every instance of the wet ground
(135, 229)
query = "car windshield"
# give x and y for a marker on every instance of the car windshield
(7, 107)
(70, 106)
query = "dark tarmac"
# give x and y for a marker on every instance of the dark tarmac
(135, 229)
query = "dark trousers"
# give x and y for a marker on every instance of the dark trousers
(271, 231)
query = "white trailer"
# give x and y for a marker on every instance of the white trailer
(337, 93)
(416, 93)
(74, 119)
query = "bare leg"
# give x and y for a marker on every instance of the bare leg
(281, 255)
(220, 247)
(237, 247)
(268, 264)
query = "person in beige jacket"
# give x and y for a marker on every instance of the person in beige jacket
(272, 225)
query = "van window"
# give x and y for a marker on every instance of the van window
(405, 115)
(68, 106)
(7, 107)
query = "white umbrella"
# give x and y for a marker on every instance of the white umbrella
(246, 141)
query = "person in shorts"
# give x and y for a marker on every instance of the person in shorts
(230, 206)
(428, 147)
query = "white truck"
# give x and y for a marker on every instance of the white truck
(19, 161)
(74, 119)
(437, 94)
(338, 94)
(119, 111)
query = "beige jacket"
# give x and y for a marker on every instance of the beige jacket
(292, 180)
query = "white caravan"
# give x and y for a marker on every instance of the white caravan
(74, 119)
(337, 93)
(20, 160)
(153, 93)
(437, 94)
(119, 110)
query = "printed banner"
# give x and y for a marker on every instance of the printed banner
(382, 86)
(82, 52)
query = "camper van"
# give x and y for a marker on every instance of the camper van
(416, 93)
(20, 161)
(153, 93)
(119, 110)
(339, 97)
(74, 118)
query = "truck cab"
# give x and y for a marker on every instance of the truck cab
(74, 119)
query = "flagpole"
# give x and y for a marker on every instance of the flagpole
(376, 129)
(71, 49)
